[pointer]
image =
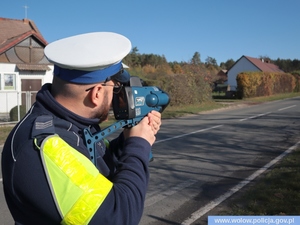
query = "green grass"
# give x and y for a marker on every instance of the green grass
(273, 97)
(178, 111)
(276, 193)
(4, 131)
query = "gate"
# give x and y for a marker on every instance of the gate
(28, 98)
(10, 100)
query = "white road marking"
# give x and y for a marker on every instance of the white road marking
(253, 117)
(286, 107)
(205, 209)
(183, 135)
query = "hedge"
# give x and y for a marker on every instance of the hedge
(13, 114)
(255, 84)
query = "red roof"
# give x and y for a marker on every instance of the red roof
(263, 66)
(14, 31)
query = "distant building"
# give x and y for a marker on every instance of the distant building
(222, 77)
(23, 65)
(246, 64)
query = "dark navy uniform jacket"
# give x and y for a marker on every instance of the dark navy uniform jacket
(25, 185)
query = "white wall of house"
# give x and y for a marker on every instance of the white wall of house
(10, 84)
(242, 65)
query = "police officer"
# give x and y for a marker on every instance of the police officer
(48, 173)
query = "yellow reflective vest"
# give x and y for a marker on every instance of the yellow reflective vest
(77, 187)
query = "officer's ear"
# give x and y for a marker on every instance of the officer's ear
(96, 94)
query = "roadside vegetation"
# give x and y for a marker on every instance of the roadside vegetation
(275, 193)
(4, 131)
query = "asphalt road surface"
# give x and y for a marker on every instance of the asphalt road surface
(202, 160)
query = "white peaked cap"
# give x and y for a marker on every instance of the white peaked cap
(88, 58)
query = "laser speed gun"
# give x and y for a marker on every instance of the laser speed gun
(131, 104)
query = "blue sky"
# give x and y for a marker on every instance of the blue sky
(222, 29)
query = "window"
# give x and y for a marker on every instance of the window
(9, 81)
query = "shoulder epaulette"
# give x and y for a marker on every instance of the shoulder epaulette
(43, 125)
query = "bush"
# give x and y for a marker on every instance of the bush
(192, 86)
(182, 89)
(296, 74)
(255, 84)
(13, 114)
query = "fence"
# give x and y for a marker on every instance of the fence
(9, 100)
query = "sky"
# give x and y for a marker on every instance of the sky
(176, 29)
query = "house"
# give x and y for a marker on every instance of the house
(246, 63)
(220, 84)
(23, 65)
(222, 76)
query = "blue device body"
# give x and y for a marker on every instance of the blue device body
(134, 102)
(130, 105)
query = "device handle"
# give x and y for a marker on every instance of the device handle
(92, 139)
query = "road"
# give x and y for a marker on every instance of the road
(201, 160)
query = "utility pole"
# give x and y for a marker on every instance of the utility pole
(26, 7)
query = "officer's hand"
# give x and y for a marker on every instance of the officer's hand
(143, 129)
(154, 120)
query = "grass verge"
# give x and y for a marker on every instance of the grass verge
(178, 111)
(275, 193)
(4, 132)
